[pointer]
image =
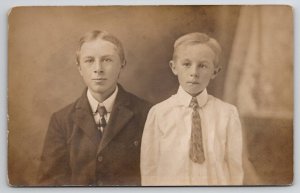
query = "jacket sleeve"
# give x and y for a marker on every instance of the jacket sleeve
(235, 149)
(150, 150)
(54, 167)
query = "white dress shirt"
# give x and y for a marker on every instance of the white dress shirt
(166, 138)
(108, 104)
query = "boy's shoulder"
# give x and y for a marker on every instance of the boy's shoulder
(220, 105)
(165, 104)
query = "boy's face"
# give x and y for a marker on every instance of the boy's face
(100, 66)
(194, 67)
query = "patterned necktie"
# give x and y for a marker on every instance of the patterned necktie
(196, 145)
(102, 112)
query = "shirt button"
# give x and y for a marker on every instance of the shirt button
(100, 158)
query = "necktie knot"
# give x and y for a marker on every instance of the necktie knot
(101, 110)
(194, 103)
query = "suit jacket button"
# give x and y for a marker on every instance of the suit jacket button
(136, 143)
(100, 158)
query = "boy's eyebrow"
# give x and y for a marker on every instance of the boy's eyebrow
(108, 55)
(88, 57)
(104, 56)
(186, 59)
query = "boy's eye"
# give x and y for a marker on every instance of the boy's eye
(186, 64)
(203, 65)
(89, 60)
(107, 60)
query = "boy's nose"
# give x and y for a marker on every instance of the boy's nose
(194, 71)
(98, 67)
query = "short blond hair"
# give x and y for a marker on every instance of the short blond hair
(199, 38)
(104, 35)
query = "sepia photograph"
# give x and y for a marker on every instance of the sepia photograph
(169, 95)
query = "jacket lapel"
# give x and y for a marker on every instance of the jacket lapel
(120, 115)
(83, 118)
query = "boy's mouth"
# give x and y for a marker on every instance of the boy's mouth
(193, 82)
(99, 79)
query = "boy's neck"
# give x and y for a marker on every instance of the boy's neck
(100, 97)
(195, 95)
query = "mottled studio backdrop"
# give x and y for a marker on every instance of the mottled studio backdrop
(257, 74)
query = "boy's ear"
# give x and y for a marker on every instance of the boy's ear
(216, 71)
(79, 68)
(173, 67)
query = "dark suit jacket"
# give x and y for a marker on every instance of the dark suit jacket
(75, 153)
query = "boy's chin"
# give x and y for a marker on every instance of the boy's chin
(194, 92)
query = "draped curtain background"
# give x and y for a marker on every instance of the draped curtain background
(259, 76)
(259, 81)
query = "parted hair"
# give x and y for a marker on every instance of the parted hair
(104, 35)
(199, 38)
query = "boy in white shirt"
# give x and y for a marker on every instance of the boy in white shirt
(193, 138)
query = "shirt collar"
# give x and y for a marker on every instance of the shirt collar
(184, 98)
(108, 103)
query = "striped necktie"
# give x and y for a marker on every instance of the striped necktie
(102, 112)
(196, 144)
